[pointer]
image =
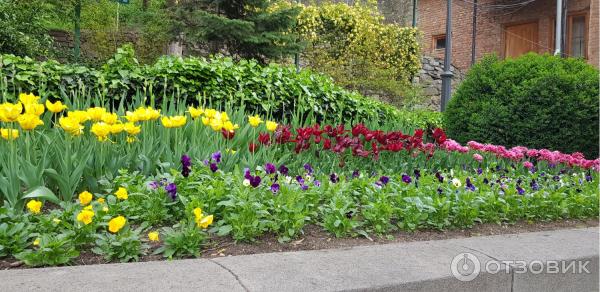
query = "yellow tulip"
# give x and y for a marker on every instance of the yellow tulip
(116, 128)
(132, 129)
(254, 121)
(116, 224)
(173, 122)
(10, 112)
(28, 98)
(216, 124)
(56, 107)
(34, 109)
(206, 121)
(29, 122)
(96, 113)
(9, 134)
(210, 113)
(71, 125)
(271, 126)
(229, 126)
(101, 130)
(110, 118)
(131, 117)
(195, 112)
(81, 116)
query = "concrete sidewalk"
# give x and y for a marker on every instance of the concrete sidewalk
(414, 266)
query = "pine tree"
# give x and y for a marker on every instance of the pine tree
(244, 28)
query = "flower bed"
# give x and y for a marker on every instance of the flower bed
(124, 184)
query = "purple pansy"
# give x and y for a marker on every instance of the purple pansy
(275, 188)
(283, 170)
(384, 180)
(406, 178)
(270, 168)
(334, 178)
(308, 168)
(171, 190)
(214, 167)
(216, 157)
(254, 181)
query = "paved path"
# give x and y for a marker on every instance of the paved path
(413, 266)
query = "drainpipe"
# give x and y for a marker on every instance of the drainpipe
(474, 32)
(558, 28)
(563, 37)
(447, 75)
(414, 13)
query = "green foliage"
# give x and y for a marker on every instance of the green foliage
(244, 28)
(218, 82)
(352, 44)
(53, 250)
(124, 246)
(182, 240)
(535, 101)
(23, 31)
(14, 237)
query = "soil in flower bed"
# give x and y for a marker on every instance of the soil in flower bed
(316, 238)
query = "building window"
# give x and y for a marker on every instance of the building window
(577, 30)
(577, 37)
(439, 42)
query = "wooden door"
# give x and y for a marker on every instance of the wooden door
(520, 39)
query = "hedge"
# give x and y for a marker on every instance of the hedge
(537, 101)
(274, 89)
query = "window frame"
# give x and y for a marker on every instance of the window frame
(435, 39)
(586, 26)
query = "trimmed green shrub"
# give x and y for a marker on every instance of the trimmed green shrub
(218, 82)
(537, 101)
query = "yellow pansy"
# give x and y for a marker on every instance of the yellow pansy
(96, 113)
(271, 126)
(122, 194)
(85, 216)
(9, 134)
(34, 206)
(116, 224)
(29, 122)
(28, 98)
(34, 109)
(254, 121)
(85, 198)
(205, 221)
(81, 116)
(153, 236)
(89, 208)
(56, 107)
(110, 118)
(195, 112)
(173, 122)
(101, 130)
(105, 209)
(56, 220)
(101, 200)
(36, 242)
(10, 112)
(71, 125)
(132, 129)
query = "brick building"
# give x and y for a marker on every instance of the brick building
(508, 28)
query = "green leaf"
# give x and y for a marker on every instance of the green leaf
(42, 193)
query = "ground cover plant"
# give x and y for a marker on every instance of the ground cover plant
(166, 179)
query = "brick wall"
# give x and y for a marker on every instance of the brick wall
(491, 23)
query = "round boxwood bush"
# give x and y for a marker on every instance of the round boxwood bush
(538, 101)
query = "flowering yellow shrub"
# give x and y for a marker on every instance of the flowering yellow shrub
(353, 45)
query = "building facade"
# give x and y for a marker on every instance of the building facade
(508, 28)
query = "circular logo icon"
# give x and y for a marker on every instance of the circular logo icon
(465, 267)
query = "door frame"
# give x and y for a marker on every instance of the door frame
(530, 21)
